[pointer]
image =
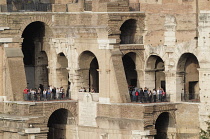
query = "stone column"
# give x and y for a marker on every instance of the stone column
(170, 77)
(171, 133)
(149, 79)
(204, 107)
(52, 60)
(2, 69)
(75, 83)
(3, 2)
(104, 80)
(180, 86)
(140, 80)
(84, 74)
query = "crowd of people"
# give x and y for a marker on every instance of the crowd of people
(146, 95)
(42, 94)
(83, 89)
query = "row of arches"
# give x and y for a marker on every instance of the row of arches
(60, 118)
(34, 48)
(36, 60)
(187, 73)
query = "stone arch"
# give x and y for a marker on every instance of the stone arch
(35, 57)
(163, 122)
(157, 114)
(70, 107)
(89, 67)
(139, 58)
(188, 77)
(154, 72)
(129, 63)
(58, 121)
(47, 22)
(131, 32)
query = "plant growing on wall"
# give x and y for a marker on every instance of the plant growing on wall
(205, 134)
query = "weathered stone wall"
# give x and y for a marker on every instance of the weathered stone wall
(187, 121)
(169, 28)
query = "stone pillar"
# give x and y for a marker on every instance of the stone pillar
(204, 107)
(75, 83)
(180, 83)
(140, 76)
(104, 80)
(170, 28)
(171, 133)
(149, 79)
(84, 74)
(3, 2)
(52, 60)
(14, 69)
(2, 69)
(170, 77)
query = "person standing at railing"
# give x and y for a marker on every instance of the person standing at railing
(57, 93)
(141, 95)
(39, 94)
(32, 92)
(145, 95)
(154, 93)
(149, 96)
(25, 93)
(53, 93)
(163, 95)
(45, 94)
(133, 95)
(160, 94)
(136, 94)
(48, 94)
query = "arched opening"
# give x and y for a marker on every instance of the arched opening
(89, 70)
(35, 59)
(62, 72)
(130, 69)
(163, 123)
(128, 32)
(57, 123)
(188, 76)
(88, 5)
(155, 76)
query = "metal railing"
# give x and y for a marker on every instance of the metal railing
(186, 97)
(152, 99)
(134, 6)
(23, 7)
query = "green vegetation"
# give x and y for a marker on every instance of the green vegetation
(205, 134)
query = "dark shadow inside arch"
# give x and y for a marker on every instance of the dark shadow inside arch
(35, 59)
(89, 71)
(130, 68)
(155, 69)
(128, 31)
(93, 75)
(187, 70)
(57, 124)
(62, 72)
(163, 122)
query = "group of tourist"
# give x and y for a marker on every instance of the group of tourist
(83, 89)
(146, 95)
(41, 94)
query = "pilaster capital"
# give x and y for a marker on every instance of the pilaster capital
(170, 73)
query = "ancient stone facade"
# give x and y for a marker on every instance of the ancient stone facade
(106, 45)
